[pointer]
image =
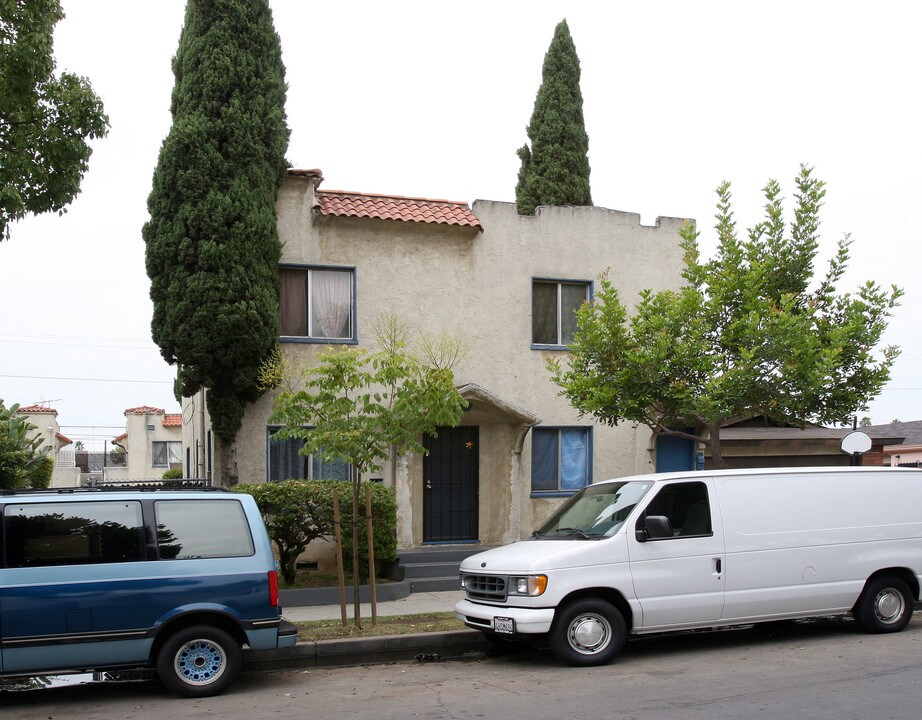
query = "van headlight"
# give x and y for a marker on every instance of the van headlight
(530, 585)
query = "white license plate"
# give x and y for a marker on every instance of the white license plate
(503, 626)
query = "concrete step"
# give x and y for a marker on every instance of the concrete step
(416, 570)
(434, 584)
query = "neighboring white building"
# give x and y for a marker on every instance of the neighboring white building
(152, 442)
(505, 282)
(45, 420)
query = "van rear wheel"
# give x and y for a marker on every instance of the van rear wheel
(199, 661)
(885, 605)
(588, 632)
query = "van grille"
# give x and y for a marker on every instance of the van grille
(485, 587)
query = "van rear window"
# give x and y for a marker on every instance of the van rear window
(73, 533)
(189, 529)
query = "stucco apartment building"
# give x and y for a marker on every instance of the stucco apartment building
(508, 284)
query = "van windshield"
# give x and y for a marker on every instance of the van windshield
(595, 512)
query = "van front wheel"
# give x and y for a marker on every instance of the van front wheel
(198, 661)
(587, 632)
(885, 605)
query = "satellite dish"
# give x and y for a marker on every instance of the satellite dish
(856, 442)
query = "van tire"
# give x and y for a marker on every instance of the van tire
(587, 632)
(198, 661)
(885, 605)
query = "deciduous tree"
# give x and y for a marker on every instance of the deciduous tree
(212, 240)
(46, 120)
(750, 334)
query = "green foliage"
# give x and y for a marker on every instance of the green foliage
(24, 461)
(357, 406)
(40, 476)
(555, 169)
(212, 239)
(173, 474)
(746, 336)
(45, 121)
(297, 512)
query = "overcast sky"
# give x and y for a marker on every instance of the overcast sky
(431, 99)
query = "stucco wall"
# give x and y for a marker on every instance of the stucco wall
(479, 285)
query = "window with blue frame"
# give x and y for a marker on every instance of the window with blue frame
(553, 310)
(560, 459)
(287, 463)
(317, 304)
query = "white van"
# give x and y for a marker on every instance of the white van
(677, 551)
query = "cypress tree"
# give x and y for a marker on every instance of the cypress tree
(555, 170)
(212, 247)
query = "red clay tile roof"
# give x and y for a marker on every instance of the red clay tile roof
(120, 438)
(144, 410)
(35, 409)
(172, 420)
(391, 207)
(64, 440)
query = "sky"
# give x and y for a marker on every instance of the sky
(431, 99)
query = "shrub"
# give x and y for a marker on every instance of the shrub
(299, 511)
(40, 473)
(173, 474)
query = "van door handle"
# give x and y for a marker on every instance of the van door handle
(717, 565)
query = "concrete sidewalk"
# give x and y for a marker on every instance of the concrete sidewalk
(413, 604)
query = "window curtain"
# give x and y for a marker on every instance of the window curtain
(574, 457)
(293, 306)
(544, 460)
(571, 298)
(331, 304)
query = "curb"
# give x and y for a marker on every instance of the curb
(430, 647)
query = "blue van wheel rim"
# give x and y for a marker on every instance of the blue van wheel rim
(200, 662)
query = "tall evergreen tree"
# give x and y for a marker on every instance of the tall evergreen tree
(212, 240)
(555, 170)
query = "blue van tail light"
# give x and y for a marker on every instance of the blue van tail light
(273, 588)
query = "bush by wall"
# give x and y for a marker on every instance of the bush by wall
(299, 511)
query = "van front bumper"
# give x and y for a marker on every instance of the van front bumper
(528, 621)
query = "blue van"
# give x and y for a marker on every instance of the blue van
(177, 580)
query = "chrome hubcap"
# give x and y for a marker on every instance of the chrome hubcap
(588, 634)
(889, 606)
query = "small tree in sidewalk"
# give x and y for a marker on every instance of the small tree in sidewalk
(361, 407)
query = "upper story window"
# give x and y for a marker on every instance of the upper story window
(317, 304)
(166, 452)
(553, 310)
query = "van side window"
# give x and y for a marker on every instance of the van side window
(686, 506)
(73, 533)
(202, 529)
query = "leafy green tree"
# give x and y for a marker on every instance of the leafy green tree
(555, 169)
(748, 335)
(45, 120)
(24, 460)
(212, 240)
(363, 407)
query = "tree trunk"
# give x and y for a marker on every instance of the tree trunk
(229, 474)
(717, 457)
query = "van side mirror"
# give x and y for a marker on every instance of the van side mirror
(655, 527)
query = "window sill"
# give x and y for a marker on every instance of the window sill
(538, 346)
(318, 341)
